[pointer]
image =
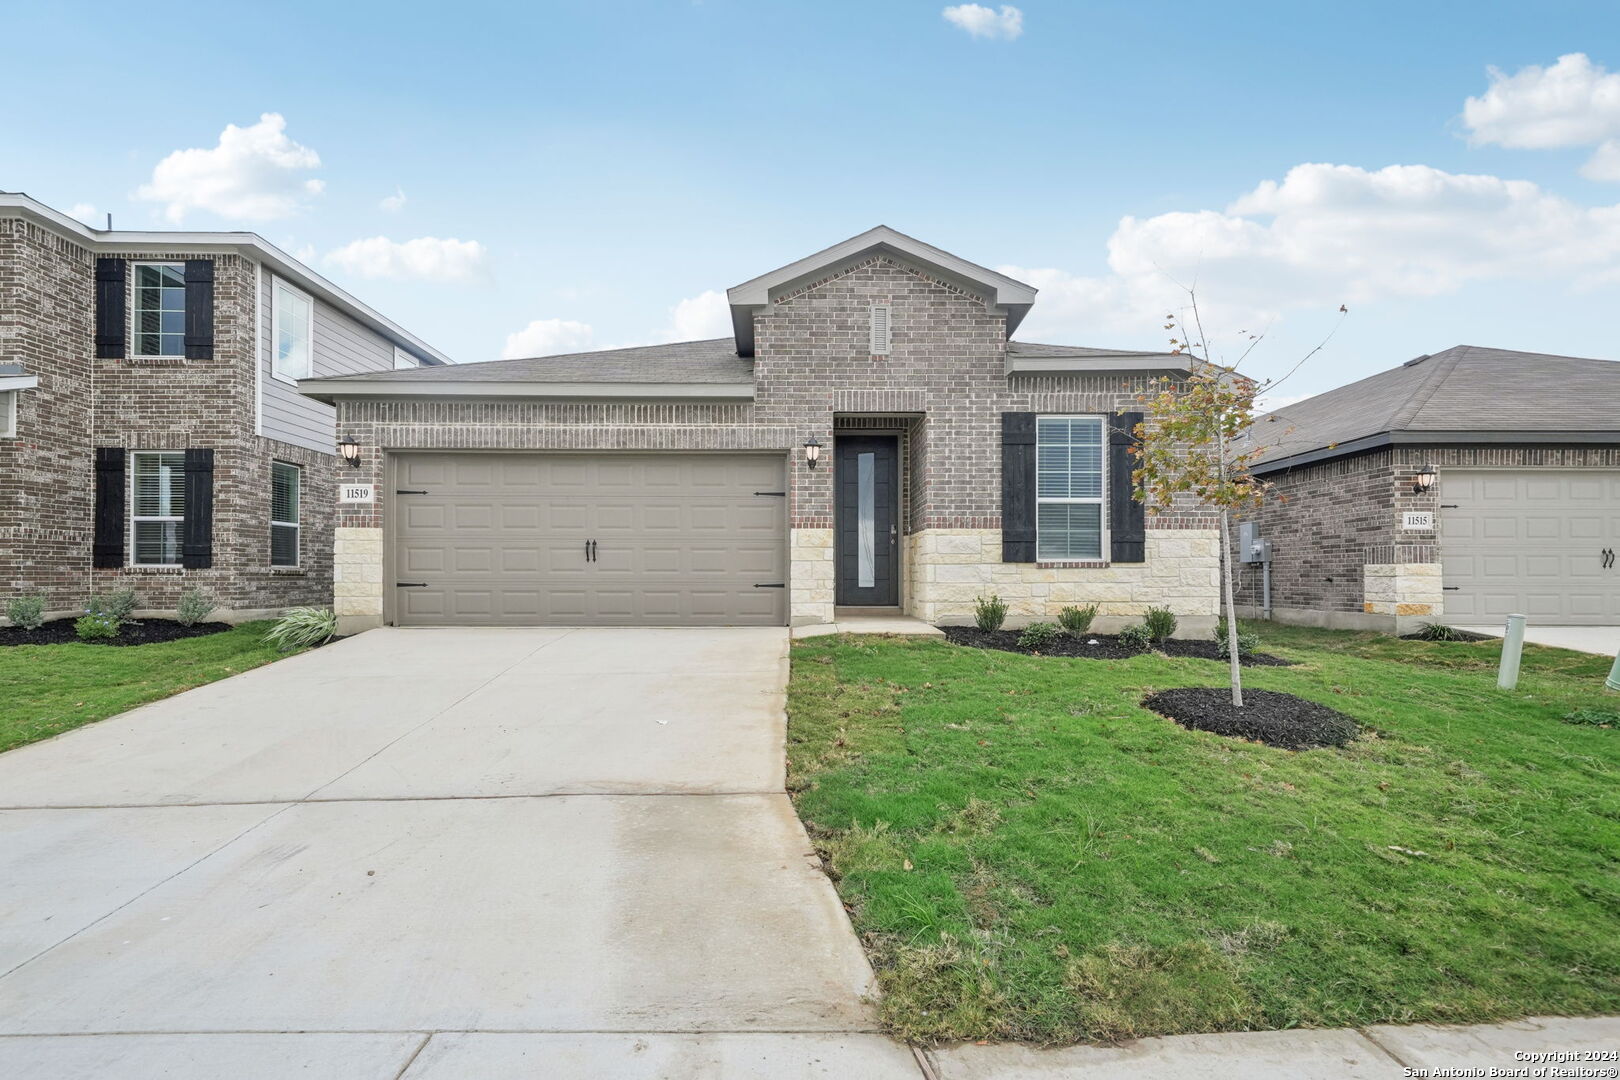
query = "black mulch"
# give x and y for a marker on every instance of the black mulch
(1098, 646)
(142, 632)
(1273, 718)
(1457, 635)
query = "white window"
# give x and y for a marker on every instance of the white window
(403, 360)
(8, 414)
(158, 313)
(286, 489)
(157, 507)
(882, 317)
(292, 332)
(1069, 487)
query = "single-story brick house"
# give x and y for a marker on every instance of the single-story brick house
(869, 437)
(1459, 487)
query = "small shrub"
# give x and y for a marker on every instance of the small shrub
(989, 612)
(117, 605)
(1077, 620)
(1038, 635)
(1433, 631)
(96, 627)
(1135, 637)
(302, 628)
(27, 612)
(1160, 623)
(1593, 717)
(195, 605)
(1247, 644)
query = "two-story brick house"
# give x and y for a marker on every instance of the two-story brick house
(151, 432)
(869, 436)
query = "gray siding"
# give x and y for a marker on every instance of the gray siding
(342, 347)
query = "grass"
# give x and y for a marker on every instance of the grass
(1027, 854)
(50, 689)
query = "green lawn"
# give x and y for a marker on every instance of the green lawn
(1028, 854)
(49, 689)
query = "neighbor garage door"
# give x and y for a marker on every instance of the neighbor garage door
(1531, 542)
(589, 540)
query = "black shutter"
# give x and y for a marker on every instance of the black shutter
(1127, 518)
(199, 309)
(108, 545)
(111, 322)
(197, 534)
(1017, 487)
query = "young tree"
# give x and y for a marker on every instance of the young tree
(1196, 444)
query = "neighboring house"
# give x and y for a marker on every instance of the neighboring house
(868, 437)
(1523, 515)
(151, 432)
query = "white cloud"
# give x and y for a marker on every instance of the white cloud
(394, 203)
(255, 173)
(1572, 103)
(1326, 235)
(427, 257)
(87, 213)
(545, 337)
(706, 315)
(980, 21)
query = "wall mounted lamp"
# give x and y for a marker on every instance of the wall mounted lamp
(1424, 480)
(349, 449)
(812, 451)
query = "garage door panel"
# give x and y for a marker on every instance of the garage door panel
(680, 538)
(1529, 541)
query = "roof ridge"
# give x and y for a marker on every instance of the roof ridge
(1430, 385)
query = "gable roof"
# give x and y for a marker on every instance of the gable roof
(251, 245)
(752, 296)
(1466, 394)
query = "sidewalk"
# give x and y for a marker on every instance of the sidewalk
(1373, 1053)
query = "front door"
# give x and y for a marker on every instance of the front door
(867, 514)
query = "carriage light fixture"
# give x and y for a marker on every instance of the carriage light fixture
(349, 448)
(812, 451)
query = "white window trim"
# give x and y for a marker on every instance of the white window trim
(409, 361)
(8, 414)
(296, 526)
(134, 336)
(277, 283)
(1103, 543)
(133, 517)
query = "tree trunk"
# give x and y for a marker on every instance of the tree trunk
(1228, 593)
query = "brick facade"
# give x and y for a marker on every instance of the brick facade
(943, 388)
(1340, 556)
(47, 476)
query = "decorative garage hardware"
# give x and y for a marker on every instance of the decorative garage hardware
(1424, 480)
(590, 551)
(410, 491)
(1450, 588)
(1449, 506)
(1608, 558)
(812, 451)
(411, 585)
(781, 493)
(773, 585)
(357, 493)
(349, 450)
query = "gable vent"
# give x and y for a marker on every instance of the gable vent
(880, 329)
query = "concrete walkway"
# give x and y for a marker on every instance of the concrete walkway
(1602, 640)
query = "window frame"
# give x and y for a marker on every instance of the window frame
(277, 314)
(8, 413)
(1100, 500)
(298, 511)
(135, 335)
(135, 518)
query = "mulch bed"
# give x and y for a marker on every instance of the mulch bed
(1460, 635)
(1098, 646)
(142, 632)
(1276, 719)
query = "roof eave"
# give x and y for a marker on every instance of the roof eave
(331, 389)
(248, 244)
(1099, 365)
(1383, 439)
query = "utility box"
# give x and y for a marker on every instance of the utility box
(1252, 549)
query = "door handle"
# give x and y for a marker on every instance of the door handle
(894, 532)
(593, 551)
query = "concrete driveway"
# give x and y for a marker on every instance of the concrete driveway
(433, 853)
(1601, 640)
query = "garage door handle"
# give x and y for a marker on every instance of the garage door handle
(408, 491)
(774, 585)
(1450, 588)
(781, 493)
(410, 585)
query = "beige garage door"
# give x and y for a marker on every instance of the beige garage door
(589, 540)
(1533, 542)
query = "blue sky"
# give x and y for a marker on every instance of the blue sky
(609, 168)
